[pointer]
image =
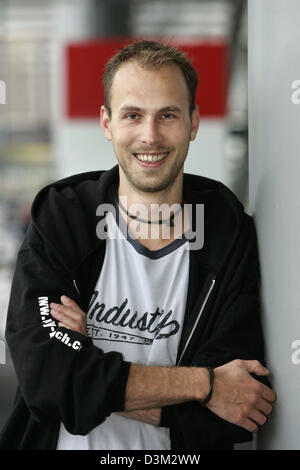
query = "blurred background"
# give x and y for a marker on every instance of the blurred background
(52, 56)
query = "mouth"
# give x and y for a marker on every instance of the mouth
(151, 159)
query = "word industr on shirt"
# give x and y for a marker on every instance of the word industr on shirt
(156, 322)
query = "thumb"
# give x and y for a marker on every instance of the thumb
(256, 367)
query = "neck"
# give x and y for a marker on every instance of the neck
(168, 196)
(155, 206)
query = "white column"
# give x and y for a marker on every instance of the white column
(274, 131)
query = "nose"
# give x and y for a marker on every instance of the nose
(150, 132)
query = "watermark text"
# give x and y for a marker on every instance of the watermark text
(2, 92)
(2, 352)
(154, 222)
(295, 96)
(295, 357)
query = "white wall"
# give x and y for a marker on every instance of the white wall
(274, 124)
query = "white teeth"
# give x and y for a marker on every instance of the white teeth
(151, 158)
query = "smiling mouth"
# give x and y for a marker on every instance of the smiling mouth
(151, 158)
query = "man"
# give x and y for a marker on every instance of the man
(133, 341)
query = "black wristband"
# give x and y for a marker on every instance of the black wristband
(211, 384)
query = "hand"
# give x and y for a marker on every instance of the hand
(238, 397)
(69, 315)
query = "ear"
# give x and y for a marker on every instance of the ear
(195, 119)
(105, 122)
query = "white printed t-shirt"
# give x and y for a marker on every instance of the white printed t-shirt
(137, 308)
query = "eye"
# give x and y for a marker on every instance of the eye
(131, 116)
(168, 116)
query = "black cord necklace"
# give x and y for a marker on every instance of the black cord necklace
(169, 220)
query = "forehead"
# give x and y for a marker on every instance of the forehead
(151, 87)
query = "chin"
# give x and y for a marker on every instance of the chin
(150, 184)
(152, 187)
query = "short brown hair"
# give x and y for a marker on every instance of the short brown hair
(151, 55)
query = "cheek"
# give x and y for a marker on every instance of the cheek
(181, 137)
(123, 148)
(123, 137)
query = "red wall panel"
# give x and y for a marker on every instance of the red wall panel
(85, 66)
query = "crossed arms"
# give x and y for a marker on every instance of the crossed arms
(237, 397)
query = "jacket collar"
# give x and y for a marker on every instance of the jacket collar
(64, 213)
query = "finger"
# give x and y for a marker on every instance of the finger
(258, 417)
(62, 309)
(256, 367)
(268, 394)
(68, 321)
(69, 326)
(250, 425)
(79, 327)
(69, 302)
(264, 406)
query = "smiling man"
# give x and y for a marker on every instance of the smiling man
(130, 341)
(150, 125)
(149, 122)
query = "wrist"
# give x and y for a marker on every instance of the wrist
(204, 384)
(211, 384)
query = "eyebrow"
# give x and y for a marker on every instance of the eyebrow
(129, 108)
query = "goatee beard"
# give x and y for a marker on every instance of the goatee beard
(155, 187)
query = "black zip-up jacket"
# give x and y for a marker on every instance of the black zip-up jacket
(62, 376)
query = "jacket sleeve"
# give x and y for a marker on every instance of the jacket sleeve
(234, 331)
(61, 374)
